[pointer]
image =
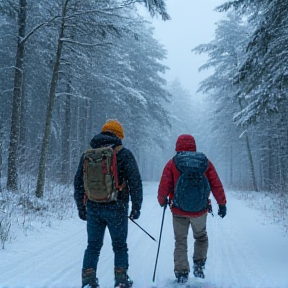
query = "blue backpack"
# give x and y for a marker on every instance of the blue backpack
(192, 188)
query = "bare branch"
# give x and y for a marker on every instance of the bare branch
(23, 40)
(84, 44)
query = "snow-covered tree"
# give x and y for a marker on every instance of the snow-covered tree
(263, 73)
(108, 66)
(226, 53)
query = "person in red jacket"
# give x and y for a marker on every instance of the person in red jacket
(183, 219)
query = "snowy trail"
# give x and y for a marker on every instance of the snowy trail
(242, 251)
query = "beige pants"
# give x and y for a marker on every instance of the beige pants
(181, 225)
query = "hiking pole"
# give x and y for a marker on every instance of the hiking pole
(153, 280)
(142, 229)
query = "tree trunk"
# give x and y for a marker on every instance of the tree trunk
(251, 163)
(82, 125)
(50, 108)
(231, 166)
(269, 167)
(66, 149)
(282, 148)
(250, 158)
(12, 177)
(22, 145)
(1, 137)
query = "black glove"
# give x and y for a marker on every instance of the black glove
(82, 213)
(210, 209)
(222, 211)
(135, 214)
(165, 203)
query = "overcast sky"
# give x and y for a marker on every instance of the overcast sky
(192, 23)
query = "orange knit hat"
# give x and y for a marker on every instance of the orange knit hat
(115, 127)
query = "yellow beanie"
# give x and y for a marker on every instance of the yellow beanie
(115, 127)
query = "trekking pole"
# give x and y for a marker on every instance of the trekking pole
(142, 229)
(153, 280)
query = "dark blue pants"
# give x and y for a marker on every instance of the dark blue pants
(115, 217)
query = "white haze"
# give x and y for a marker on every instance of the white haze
(192, 23)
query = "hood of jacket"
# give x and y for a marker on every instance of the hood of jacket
(105, 139)
(185, 142)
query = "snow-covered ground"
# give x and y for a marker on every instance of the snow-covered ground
(244, 251)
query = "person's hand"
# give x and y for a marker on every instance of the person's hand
(222, 211)
(210, 209)
(82, 213)
(135, 214)
(165, 203)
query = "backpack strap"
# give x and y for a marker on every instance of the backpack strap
(118, 148)
(115, 170)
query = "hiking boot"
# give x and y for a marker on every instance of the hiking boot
(182, 276)
(198, 267)
(91, 286)
(122, 279)
(89, 279)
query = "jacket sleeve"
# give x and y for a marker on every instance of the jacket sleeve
(79, 191)
(215, 184)
(166, 185)
(134, 180)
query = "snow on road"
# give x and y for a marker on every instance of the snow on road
(243, 251)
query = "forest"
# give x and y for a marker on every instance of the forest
(67, 66)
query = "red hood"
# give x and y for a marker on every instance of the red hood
(185, 142)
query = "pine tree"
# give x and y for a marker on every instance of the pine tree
(262, 76)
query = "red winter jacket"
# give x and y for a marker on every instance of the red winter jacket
(170, 176)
